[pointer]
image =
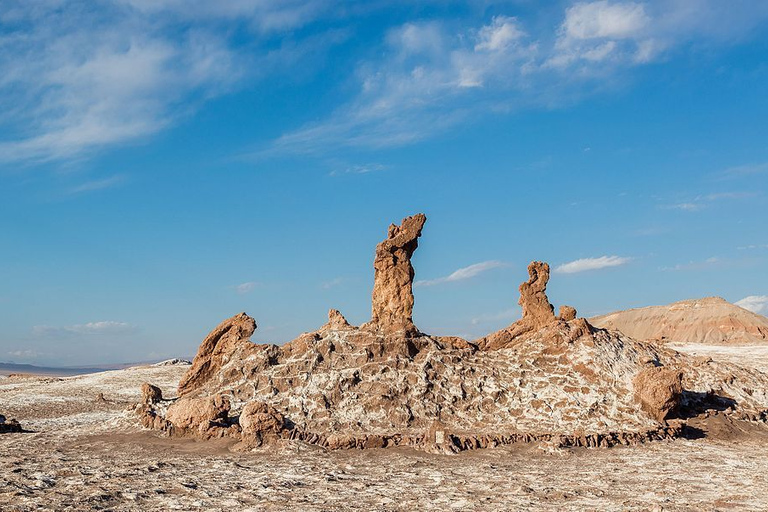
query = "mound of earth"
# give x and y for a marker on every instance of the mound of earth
(709, 321)
(546, 377)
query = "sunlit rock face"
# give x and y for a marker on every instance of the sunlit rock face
(545, 378)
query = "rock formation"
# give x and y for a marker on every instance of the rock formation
(708, 321)
(336, 321)
(200, 413)
(392, 308)
(545, 378)
(8, 426)
(537, 311)
(215, 347)
(659, 390)
(150, 394)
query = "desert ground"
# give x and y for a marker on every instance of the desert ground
(86, 451)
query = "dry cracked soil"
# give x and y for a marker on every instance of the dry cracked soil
(82, 452)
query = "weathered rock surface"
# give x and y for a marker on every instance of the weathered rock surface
(708, 321)
(546, 378)
(200, 412)
(150, 394)
(215, 347)
(336, 321)
(392, 304)
(567, 313)
(659, 390)
(538, 313)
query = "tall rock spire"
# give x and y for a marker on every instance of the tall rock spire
(392, 300)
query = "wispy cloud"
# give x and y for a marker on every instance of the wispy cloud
(435, 75)
(584, 264)
(93, 185)
(358, 169)
(105, 328)
(24, 354)
(703, 201)
(755, 303)
(76, 77)
(695, 265)
(244, 288)
(745, 170)
(333, 283)
(463, 274)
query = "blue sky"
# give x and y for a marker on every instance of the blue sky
(167, 164)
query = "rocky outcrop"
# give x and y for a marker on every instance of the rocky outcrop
(199, 413)
(658, 390)
(151, 394)
(336, 321)
(538, 313)
(210, 356)
(567, 313)
(392, 304)
(546, 378)
(260, 423)
(9, 426)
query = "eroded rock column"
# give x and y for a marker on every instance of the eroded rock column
(392, 300)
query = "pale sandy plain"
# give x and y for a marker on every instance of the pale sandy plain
(83, 453)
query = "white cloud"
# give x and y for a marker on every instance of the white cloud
(585, 264)
(696, 265)
(24, 354)
(499, 35)
(703, 201)
(105, 328)
(75, 78)
(603, 19)
(431, 76)
(93, 185)
(755, 303)
(333, 283)
(265, 15)
(244, 288)
(358, 169)
(463, 274)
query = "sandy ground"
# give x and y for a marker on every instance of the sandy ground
(755, 356)
(84, 453)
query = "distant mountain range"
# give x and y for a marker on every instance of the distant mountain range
(708, 321)
(11, 368)
(66, 371)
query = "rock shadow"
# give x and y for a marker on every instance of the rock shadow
(696, 403)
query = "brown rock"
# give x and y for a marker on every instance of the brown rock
(336, 321)
(392, 308)
(150, 394)
(537, 311)
(567, 313)
(260, 420)
(533, 296)
(189, 413)
(658, 390)
(211, 354)
(437, 439)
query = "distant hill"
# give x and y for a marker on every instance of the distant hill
(710, 321)
(10, 368)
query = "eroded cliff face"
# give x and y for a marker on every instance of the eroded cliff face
(214, 349)
(392, 304)
(544, 378)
